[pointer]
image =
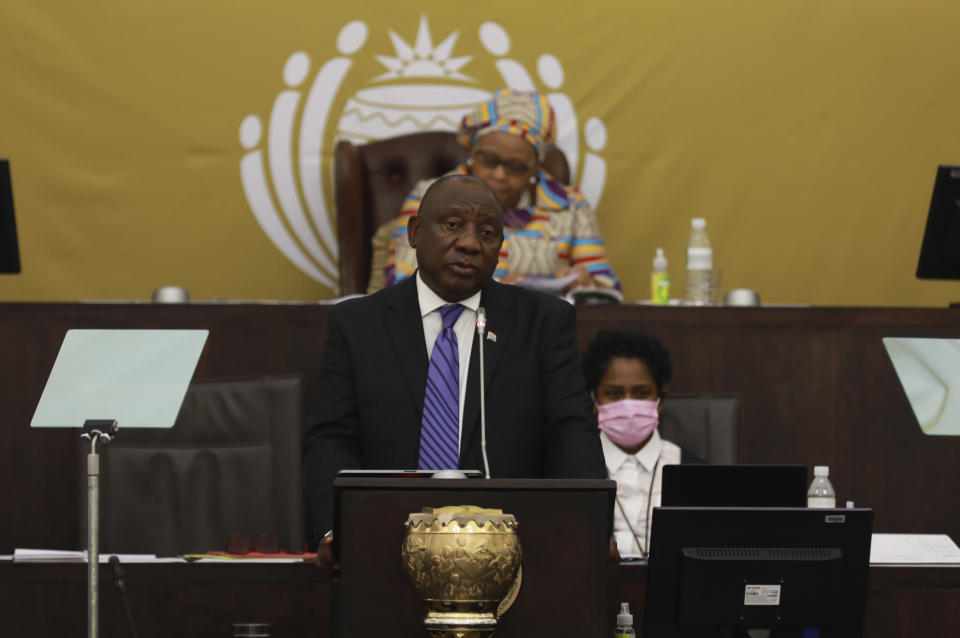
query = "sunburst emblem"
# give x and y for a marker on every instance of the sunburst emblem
(423, 59)
(424, 88)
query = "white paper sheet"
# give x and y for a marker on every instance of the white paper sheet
(913, 549)
(549, 285)
(22, 555)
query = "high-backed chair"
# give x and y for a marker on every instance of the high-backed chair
(706, 424)
(230, 465)
(372, 180)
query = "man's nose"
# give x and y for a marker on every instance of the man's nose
(469, 240)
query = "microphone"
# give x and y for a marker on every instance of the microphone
(481, 329)
(122, 588)
(118, 575)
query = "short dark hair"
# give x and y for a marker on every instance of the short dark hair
(628, 345)
(439, 184)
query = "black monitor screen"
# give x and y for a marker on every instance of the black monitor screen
(940, 252)
(9, 253)
(734, 485)
(734, 572)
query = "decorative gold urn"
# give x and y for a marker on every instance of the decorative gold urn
(464, 561)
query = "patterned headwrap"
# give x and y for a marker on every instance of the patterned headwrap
(525, 114)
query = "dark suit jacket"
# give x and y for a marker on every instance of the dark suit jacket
(373, 375)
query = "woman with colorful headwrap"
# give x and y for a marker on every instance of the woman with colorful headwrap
(549, 229)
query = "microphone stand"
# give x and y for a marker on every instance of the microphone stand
(481, 328)
(94, 430)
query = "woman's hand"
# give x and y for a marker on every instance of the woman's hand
(583, 277)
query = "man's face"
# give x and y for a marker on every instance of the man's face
(457, 235)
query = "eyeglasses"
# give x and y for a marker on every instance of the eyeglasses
(513, 167)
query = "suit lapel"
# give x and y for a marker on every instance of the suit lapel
(500, 319)
(405, 327)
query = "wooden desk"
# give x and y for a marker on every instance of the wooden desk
(167, 599)
(204, 600)
(816, 384)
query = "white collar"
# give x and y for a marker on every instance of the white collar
(430, 301)
(646, 456)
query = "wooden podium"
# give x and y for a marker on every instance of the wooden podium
(564, 526)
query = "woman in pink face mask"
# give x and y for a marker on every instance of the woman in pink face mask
(627, 374)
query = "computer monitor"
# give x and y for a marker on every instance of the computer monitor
(738, 572)
(734, 486)
(9, 253)
(940, 251)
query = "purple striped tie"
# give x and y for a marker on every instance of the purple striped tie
(440, 431)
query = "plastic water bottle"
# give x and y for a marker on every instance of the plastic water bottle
(624, 623)
(699, 264)
(821, 492)
(660, 280)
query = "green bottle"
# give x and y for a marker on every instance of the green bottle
(660, 280)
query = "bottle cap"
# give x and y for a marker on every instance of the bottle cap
(821, 470)
(698, 223)
(624, 617)
(660, 261)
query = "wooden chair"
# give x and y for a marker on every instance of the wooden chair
(230, 465)
(706, 424)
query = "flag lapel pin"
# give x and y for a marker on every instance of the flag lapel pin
(491, 336)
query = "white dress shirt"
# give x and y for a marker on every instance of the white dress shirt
(465, 329)
(638, 488)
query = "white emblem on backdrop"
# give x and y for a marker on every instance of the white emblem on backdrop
(281, 174)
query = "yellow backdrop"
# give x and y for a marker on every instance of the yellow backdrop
(174, 142)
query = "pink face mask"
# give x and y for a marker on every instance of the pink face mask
(628, 422)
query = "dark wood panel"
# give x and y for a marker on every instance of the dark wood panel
(166, 600)
(204, 600)
(816, 383)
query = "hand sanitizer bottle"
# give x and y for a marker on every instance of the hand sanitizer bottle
(660, 280)
(624, 623)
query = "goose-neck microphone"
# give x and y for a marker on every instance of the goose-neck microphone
(481, 329)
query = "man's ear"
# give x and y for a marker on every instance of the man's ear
(412, 227)
(664, 391)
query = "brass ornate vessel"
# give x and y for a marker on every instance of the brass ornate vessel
(464, 561)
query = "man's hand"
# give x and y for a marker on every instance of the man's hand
(325, 559)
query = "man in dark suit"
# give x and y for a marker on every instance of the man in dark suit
(378, 392)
